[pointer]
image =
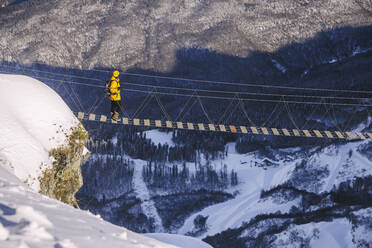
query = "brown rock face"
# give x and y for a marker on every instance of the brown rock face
(64, 179)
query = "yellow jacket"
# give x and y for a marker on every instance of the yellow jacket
(115, 89)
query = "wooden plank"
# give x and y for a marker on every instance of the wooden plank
(339, 135)
(169, 124)
(136, 122)
(369, 135)
(275, 131)
(92, 117)
(285, 131)
(350, 135)
(125, 121)
(179, 125)
(80, 115)
(232, 129)
(190, 126)
(222, 128)
(158, 123)
(329, 134)
(201, 127)
(361, 136)
(318, 134)
(296, 132)
(254, 130)
(244, 129)
(264, 130)
(307, 133)
(211, 127)
(146, 122)
(103, 118)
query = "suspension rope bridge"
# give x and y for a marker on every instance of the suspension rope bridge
(236, 99)
(225, 128)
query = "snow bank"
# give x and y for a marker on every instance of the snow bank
(29, 219)
(31, 114)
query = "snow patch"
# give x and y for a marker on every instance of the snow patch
(31, 215)
(29, 125)
(161, 138)
(4, 234)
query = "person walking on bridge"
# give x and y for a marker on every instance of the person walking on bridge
(115, 96)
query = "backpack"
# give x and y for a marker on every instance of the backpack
(107, 87)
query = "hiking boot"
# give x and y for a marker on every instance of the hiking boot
(115, 116)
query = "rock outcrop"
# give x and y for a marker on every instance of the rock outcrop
(64, 178)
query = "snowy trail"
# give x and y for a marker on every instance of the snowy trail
(143, 194)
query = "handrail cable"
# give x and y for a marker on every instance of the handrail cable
(214, 97)
(212, 91)
(236, 84)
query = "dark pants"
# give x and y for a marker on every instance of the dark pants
(115, 106)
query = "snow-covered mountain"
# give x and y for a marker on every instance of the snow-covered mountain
(33, 118)
(149, 35)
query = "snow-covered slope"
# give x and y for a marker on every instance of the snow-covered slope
(29, 219)
(340, 163)
(32, 118)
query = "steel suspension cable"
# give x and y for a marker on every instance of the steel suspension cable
(290, 114)
(231, 113)
(267, 119)
(277, 116)
(311, 115)
(204, 110)
(227, 92)
(245, 112)
(224, 113)
(184, 107)
(348, 122)
(334, 117)
(76, 96)
(217, 97)
(161, 105)
(72, 99)
(100, 102)
(322, 117)
(141, 105)
(189, 109)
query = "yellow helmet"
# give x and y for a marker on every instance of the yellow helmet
(116, 73)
